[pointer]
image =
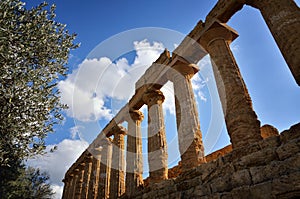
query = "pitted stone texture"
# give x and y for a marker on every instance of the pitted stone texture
(283, 20)
(117, 177)
(94, 178)
(268, 131)
(104, 171)
(79, 184)
(157, 144)
(134, 156)
(242, 177)
(241, 120)
(86, 177)
(188, 125)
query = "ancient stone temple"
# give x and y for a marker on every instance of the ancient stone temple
(259, 163)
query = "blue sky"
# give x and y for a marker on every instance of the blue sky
(114, 32)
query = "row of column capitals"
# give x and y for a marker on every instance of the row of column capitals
(217, 31)
(152, 97)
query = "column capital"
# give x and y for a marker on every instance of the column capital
(81, 165)
(76, 171)
(118, 129)
(217, 31)
(136, 115)
(152, 97)
(89, 158)
(183, 69)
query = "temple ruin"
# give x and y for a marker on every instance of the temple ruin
(259, 163)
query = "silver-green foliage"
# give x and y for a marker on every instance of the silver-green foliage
(34, 51)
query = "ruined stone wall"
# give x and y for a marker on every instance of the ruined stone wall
(267, 169)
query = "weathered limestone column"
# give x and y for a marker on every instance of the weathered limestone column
(134, 156)
(241, 120)
(75, 181)
(283, 20)
(188, 125)
(69, 193)
(67, 182)
(157, 144)
(79, 183)
(105, 165)
(117, 180)
(87, 175)
(94, 178)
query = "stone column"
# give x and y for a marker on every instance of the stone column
(105, 165)
(79, 184)
(67, 182)
(74, 185)
(157, 144)
(69, 193)
(188, 125)
(241, 120)
(134, 156)
(86, 178)
(283, 20)
(94, 178)
(117, 181)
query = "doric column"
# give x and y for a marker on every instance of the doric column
(86, 178)
(79, 183)
(283, 20)
(117, 181)
(94, 178)
(75, 181)
(134, 156)
(157, 144)
(105, 165)
(188, 125)
(241, 120)
(67, 182)
(69, 192)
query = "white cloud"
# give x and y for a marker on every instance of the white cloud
(58, 162)
(198, 84)
(89, 87)
(169, 103)
(58, 190)
(75, 131)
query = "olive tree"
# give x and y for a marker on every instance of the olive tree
(34, 51)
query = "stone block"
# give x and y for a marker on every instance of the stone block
(288, 149)
(275, 169)
(258, 158)
(206, 170)
(221, 184)
(175, 195)
(202, 190)
(241, 192)
(244, 151)
(261, 191)
(163, 184)
(185, 185)
(292, 133)
(226, 196)
(273, 141)
(241, 178)
(287, 183)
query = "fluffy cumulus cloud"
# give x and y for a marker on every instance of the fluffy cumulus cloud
(58, 162)
(87, 89)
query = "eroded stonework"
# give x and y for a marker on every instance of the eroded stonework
(259, 163)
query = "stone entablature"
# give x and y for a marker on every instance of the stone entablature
(100, 171)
